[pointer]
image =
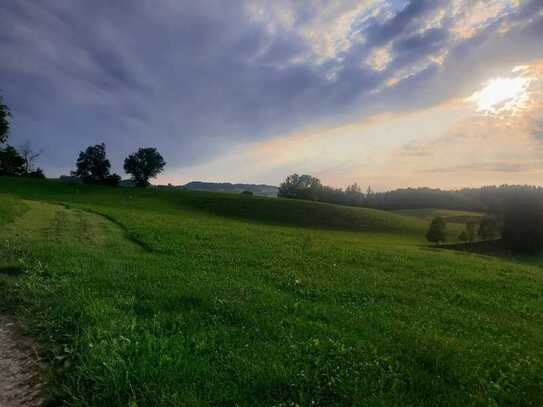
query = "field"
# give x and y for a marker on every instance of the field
(160, 297)
(449, 215)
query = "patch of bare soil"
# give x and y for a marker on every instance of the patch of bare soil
(21, 383)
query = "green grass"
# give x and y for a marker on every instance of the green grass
(185, 298)
(456, 220)
(449, 215)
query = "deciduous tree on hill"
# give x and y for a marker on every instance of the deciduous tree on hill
(11, 162)
(4, 122)
(463, 236)
(300, 187)
(93, 166)
(144, 164)
(354, 195)
(30, 156)
(436, 231)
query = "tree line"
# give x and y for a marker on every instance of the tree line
(491, 199)
(310, 188)
(16, 162)
(92, 165)
(514, 213)
(517, 225)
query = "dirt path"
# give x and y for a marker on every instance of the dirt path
(20, 380)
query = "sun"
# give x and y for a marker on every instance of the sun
(503, 96)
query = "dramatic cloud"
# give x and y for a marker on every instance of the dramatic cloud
(207, 81)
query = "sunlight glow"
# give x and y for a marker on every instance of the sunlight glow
(503, 96)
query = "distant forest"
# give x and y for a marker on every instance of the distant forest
(488, 198)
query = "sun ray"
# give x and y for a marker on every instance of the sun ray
(503, 96)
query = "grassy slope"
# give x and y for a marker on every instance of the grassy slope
(449, 215)
(257, 209)
(214, 309)
(456, 220)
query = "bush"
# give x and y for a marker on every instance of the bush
(112, 180)
(436, 231)
(37, 173)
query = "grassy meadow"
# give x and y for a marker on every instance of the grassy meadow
(164, 297)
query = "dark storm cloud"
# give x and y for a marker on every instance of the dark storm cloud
(196, 78)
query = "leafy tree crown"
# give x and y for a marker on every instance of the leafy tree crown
(93, 166)
(144, 164)
(436, 231)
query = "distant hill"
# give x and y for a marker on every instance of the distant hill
(261, 189)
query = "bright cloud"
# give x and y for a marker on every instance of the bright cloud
(503, 96)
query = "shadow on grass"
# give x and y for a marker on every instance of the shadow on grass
(11, 271)
(494, 248)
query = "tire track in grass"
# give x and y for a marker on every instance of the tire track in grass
(127, 235)
(65, 225)
(21, 381)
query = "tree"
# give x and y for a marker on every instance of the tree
(112, 180)
(523, 224)
(37, 173)
(93, 166)
(471, 230)
(29, 155)
(300, 187)
(463, 236)
(488, 228)
(436, 231)
(370, 197)
(11, 162)
(144, 164)
(354, 195)
(4, 122)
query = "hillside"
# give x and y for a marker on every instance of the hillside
(257, 189)
(256, 209)
(176, 297)
(450, 216)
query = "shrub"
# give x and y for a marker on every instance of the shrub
(436, 231)
(463, 236)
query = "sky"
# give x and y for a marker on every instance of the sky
(392, 94)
